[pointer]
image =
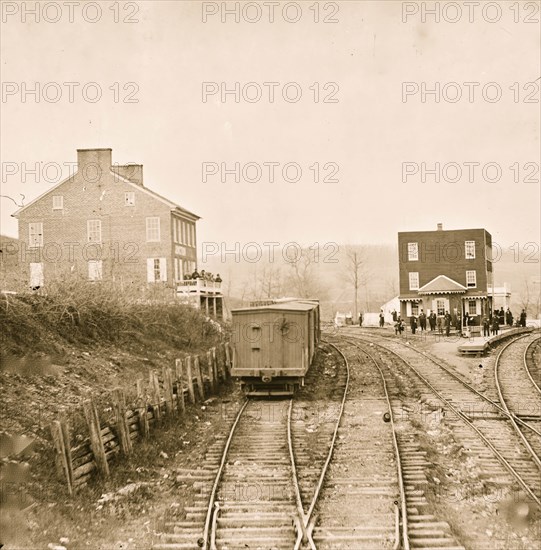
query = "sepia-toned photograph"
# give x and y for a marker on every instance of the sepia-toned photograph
(270, 275)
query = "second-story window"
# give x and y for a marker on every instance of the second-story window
(471, 279)
(413, 252)
(35, 234)
(414, 280)
(129, 198)
(469, 248)
(153, 229)
(93, 229)
(58, 202)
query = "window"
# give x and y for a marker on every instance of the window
(472, 307)
(471, 279)
(95, 270)
(415, 308)
(440, 307)
(413, 252)
(156, 270)
(93, 229)
(58, 202)
(35, 234)
(129, 198)
(183, 233)
(469, 247)
(153, 229)
(414, 280)
(192, 234)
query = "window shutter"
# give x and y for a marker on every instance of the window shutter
(478, 307)
(408, 309)
(163, 269)
(150, 270)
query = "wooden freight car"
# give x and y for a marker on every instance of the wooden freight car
(274, 345)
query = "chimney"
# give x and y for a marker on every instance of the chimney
(93, 163)
(440, 227)
(132, 172)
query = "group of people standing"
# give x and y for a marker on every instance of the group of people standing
(204, 275)
(492, 323)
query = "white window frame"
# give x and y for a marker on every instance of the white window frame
(469, 250)
(470, 304)
(441, 305)
(93, 231)
(156, 270)
(58, 202)
(129, 198)
(471, 279)
(95, 270)
(412, 284)
(413, 252)
(153, 233)
(35, 234)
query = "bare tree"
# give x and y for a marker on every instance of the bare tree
(303, 279)
(355, 272)
(270, 281)
(530, 298)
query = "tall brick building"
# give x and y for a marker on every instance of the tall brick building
(447, 270)
(103, 223)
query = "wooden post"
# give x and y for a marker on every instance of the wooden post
(155, 396)
(210, 371)
(179, 370)
(227, 359)
(142, 409)
(200, 386)
(63, 455)
(168, 390)
(96, 442)
(214, 364)
(189, 379)
(66, 436)
(122, 428)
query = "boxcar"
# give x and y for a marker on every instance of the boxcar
(274, 345)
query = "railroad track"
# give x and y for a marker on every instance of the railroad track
(378, 475)
(478, 420)
(532, 362)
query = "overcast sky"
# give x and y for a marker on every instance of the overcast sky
(368, 133)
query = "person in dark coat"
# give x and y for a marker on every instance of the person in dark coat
(509, 318)
(501, 316)
(381, 319)
(486, 326)
(495, 324)
(447, 322)
(523, 318)
(360, 319)
(432, 321)
(422, 320)
(395, 315)
(413, 324)
(466, 319)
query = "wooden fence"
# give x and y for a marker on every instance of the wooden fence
(191, 379)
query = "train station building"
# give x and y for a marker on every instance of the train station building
(446, 271)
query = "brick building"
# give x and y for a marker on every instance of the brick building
(447, 270)
(103, 223)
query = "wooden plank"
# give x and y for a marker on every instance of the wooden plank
(155, 395)
(189, 379)
(96, 443)
(215, 365)
(60, 453)
(123, 432)
(199, 377)
(142, 408)
(168, 391)
(179, 368)
(66, 436)
(210, 372)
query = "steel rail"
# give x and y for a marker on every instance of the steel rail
(210, 525)
(459, 378)
(534, 343)
(469, 423)
(533, 454)
(400, 475)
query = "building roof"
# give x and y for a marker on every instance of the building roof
(284, 306)
(442, 285)
(174, 207)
